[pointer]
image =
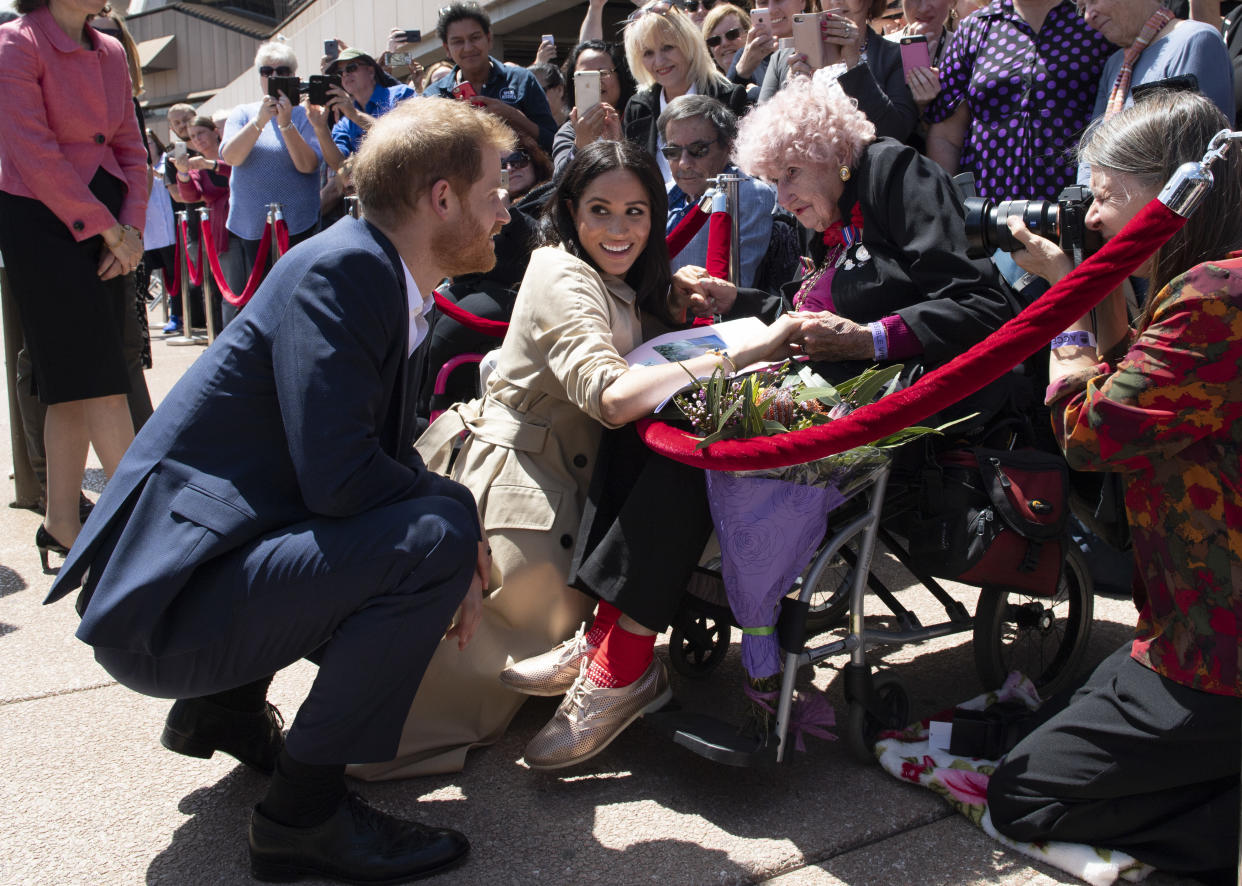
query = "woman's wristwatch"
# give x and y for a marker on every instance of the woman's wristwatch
(130, 229)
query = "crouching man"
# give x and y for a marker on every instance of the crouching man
(274, 508)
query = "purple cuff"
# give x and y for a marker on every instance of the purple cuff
(902, 342)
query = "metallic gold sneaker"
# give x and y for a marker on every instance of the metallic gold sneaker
(551, 673)
(591, 716)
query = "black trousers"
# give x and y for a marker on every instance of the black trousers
(369, 596)
(1135, 762)
(643, 530)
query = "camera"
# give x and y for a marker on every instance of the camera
(291, 87)
(1063, 221)
(317, 88)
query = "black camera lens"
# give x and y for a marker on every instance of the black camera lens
(987, 223)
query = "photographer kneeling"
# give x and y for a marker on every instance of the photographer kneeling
(1144, 758)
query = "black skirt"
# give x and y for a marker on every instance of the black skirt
(72, 321)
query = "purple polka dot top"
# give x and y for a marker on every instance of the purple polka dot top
(1030, 97)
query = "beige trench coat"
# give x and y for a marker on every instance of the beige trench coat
(528, 460)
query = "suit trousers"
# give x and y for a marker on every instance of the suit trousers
(1135, 762)
(368, 595)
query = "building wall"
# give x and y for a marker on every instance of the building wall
(209, 57)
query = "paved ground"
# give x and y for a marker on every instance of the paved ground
(88, 796)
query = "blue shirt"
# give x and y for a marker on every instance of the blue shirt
(268, 176)
(347, 134)
(513, 86)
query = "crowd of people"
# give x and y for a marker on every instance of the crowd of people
(293, 497)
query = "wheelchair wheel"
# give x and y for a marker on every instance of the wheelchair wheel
(830, 601)
(864, 728)
(1043, 637)
(699, 647)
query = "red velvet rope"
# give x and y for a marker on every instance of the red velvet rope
(987, 361)
(196, 274)
(685, 231)
(172, 282)
(256, 273)
(718, 236)
(494, 328)
(282, 235)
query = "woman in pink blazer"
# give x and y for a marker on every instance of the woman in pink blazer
(73, 195)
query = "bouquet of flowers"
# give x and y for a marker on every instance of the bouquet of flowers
(770, 522)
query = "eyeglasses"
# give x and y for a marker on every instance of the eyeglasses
(660, 7)
(516, 160)
(697, 150)
(604, 73)
(730, 35)
(349, 68)
(281, 71)
(693, 5)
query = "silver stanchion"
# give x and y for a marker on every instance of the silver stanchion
(275, 214)
(351, 205)
(209, 298)
(187, 336)
(730, 185)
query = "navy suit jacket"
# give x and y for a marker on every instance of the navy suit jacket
(302, 408)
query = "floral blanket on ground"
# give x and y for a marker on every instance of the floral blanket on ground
(963, 783)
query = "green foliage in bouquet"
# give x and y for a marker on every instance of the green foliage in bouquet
(776, 401)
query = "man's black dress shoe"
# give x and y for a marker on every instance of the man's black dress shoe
(358, 844)
(198, 727)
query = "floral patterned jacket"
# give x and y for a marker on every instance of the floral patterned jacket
(1169, 416)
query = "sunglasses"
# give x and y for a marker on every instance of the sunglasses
(659, 8)
(348, 68)
(695, 5)
(730, 35)
(282, 71)
(516, 160)
(697, 150)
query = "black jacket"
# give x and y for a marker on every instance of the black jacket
(912, 260)
(641, 112)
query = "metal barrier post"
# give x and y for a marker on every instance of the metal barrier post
(351, 205)
(187, 336)
(277, 214)
(731, 185)
(209, 298)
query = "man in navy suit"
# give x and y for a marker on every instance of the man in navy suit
(275, 508)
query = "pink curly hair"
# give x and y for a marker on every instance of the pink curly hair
(809, 119)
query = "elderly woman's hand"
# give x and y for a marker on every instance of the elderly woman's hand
(1040, 257)
(823, 335)
(700, 293)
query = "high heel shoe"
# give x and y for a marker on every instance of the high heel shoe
(45, 542)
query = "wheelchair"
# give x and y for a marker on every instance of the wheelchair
(1041, 631)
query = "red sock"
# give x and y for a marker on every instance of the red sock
(621, 658)
(606, 616)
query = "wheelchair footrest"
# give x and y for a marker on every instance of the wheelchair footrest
(715, 739)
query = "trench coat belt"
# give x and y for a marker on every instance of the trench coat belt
(487, 419)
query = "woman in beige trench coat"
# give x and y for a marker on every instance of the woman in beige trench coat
(561, 378)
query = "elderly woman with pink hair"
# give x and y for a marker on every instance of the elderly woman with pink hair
(892, 282)
(892, 279)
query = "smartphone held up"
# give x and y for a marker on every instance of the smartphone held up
(914, 53)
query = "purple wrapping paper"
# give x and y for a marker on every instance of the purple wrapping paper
(769, 530)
